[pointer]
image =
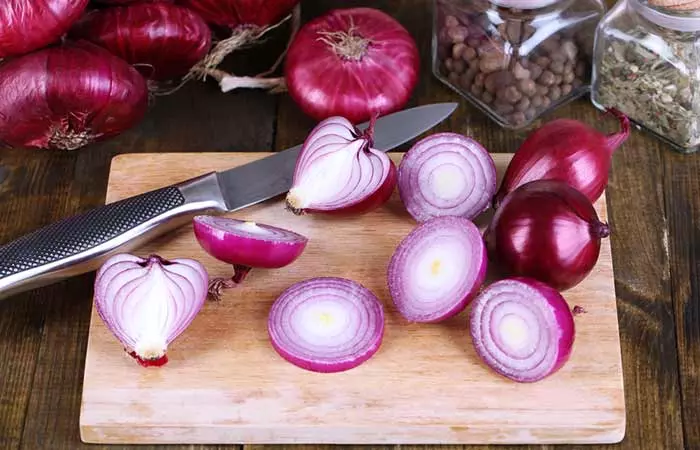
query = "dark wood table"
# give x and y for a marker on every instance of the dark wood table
(654, 210)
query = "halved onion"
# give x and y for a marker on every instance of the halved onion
(522, 328)
(437, 269)
(446, 174)
(326, 324)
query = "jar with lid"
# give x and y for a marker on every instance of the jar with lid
(647, 65)
(516, 60)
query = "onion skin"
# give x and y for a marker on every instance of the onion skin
(66, 97)
(28, 25)
(553, 318)
(162, 40)
(241, 13)
(376, 81)
(565, 150)
(548, 231)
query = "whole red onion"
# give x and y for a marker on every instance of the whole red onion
(546, 230)
(28, 25)
(67, 96)
(160, 39)
(241, 13)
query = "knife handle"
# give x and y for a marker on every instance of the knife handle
(81, 243)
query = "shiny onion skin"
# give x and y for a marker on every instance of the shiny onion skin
(68, 96)
(28, 25)
(548, 231)
(565, 150)
(162, 40)
(241, 13)
(354, 63)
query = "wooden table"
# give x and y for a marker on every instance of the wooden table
(653, 210)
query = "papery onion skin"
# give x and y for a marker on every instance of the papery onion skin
(417, 189)
(162, 40)
(68, 96)
(554, 318)
(361, 83)
(565, 150)
(325, 355)
(130, 292)
(240, 13)
(424, 238)
(28, 25)
(548, 231)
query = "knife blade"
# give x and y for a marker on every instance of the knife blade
(81, 243)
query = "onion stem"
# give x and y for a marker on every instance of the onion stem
(344, 44)
(218, 285)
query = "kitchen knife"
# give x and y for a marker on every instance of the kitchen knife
(81, 243)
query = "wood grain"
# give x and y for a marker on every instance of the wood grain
(408, 393)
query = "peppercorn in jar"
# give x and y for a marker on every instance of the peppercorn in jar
(516, 60)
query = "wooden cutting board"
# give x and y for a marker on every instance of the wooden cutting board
(225, 384)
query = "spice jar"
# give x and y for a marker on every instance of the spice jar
(516, 60)
(647, 65)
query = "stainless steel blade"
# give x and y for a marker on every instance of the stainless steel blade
(271, 176)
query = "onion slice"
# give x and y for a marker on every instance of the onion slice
(338, 171)
(447, 174)
(148, 302)
(326, 324)
(437, 269)
(522, 328)
(245, 245)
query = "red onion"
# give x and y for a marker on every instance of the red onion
(28, 25)
(326, 324)
(245, 245)
(68, 96)
(437, 269)
(565, 150)
(522, 329)
(338, 171)
(447, 174)
(548, 231)
(148, 302)
(162, 40)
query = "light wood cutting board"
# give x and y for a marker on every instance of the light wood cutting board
(225, 384)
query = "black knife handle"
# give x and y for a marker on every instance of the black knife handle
(81, 243)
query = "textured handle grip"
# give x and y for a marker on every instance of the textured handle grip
(81, 233)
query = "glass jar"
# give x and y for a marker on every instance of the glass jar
(647, 65)
(516, 60)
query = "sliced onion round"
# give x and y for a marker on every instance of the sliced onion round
(437, 269)
(446, 174)
(326, 324)
(522, 328)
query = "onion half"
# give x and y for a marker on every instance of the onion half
(326, 324)
(522, 329)
(446, 174)
(437, 269)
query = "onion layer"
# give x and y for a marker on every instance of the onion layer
(245, 245)
(548, 231)
(160, 39)
(28, 25)
(338, 171)
(326, 324)
(446, 174)
(437, 269)
(522, 329)
(148, 302)
(68, 96)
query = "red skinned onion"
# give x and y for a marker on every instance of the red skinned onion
(523, 329)
(28, 25)
(565, 150)
(437, 269)
(548, 231)
(245, 245)
(338, 171)
(148, 302)
(162, 40)
(68, 96)
(326, 324)
(446, 174)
